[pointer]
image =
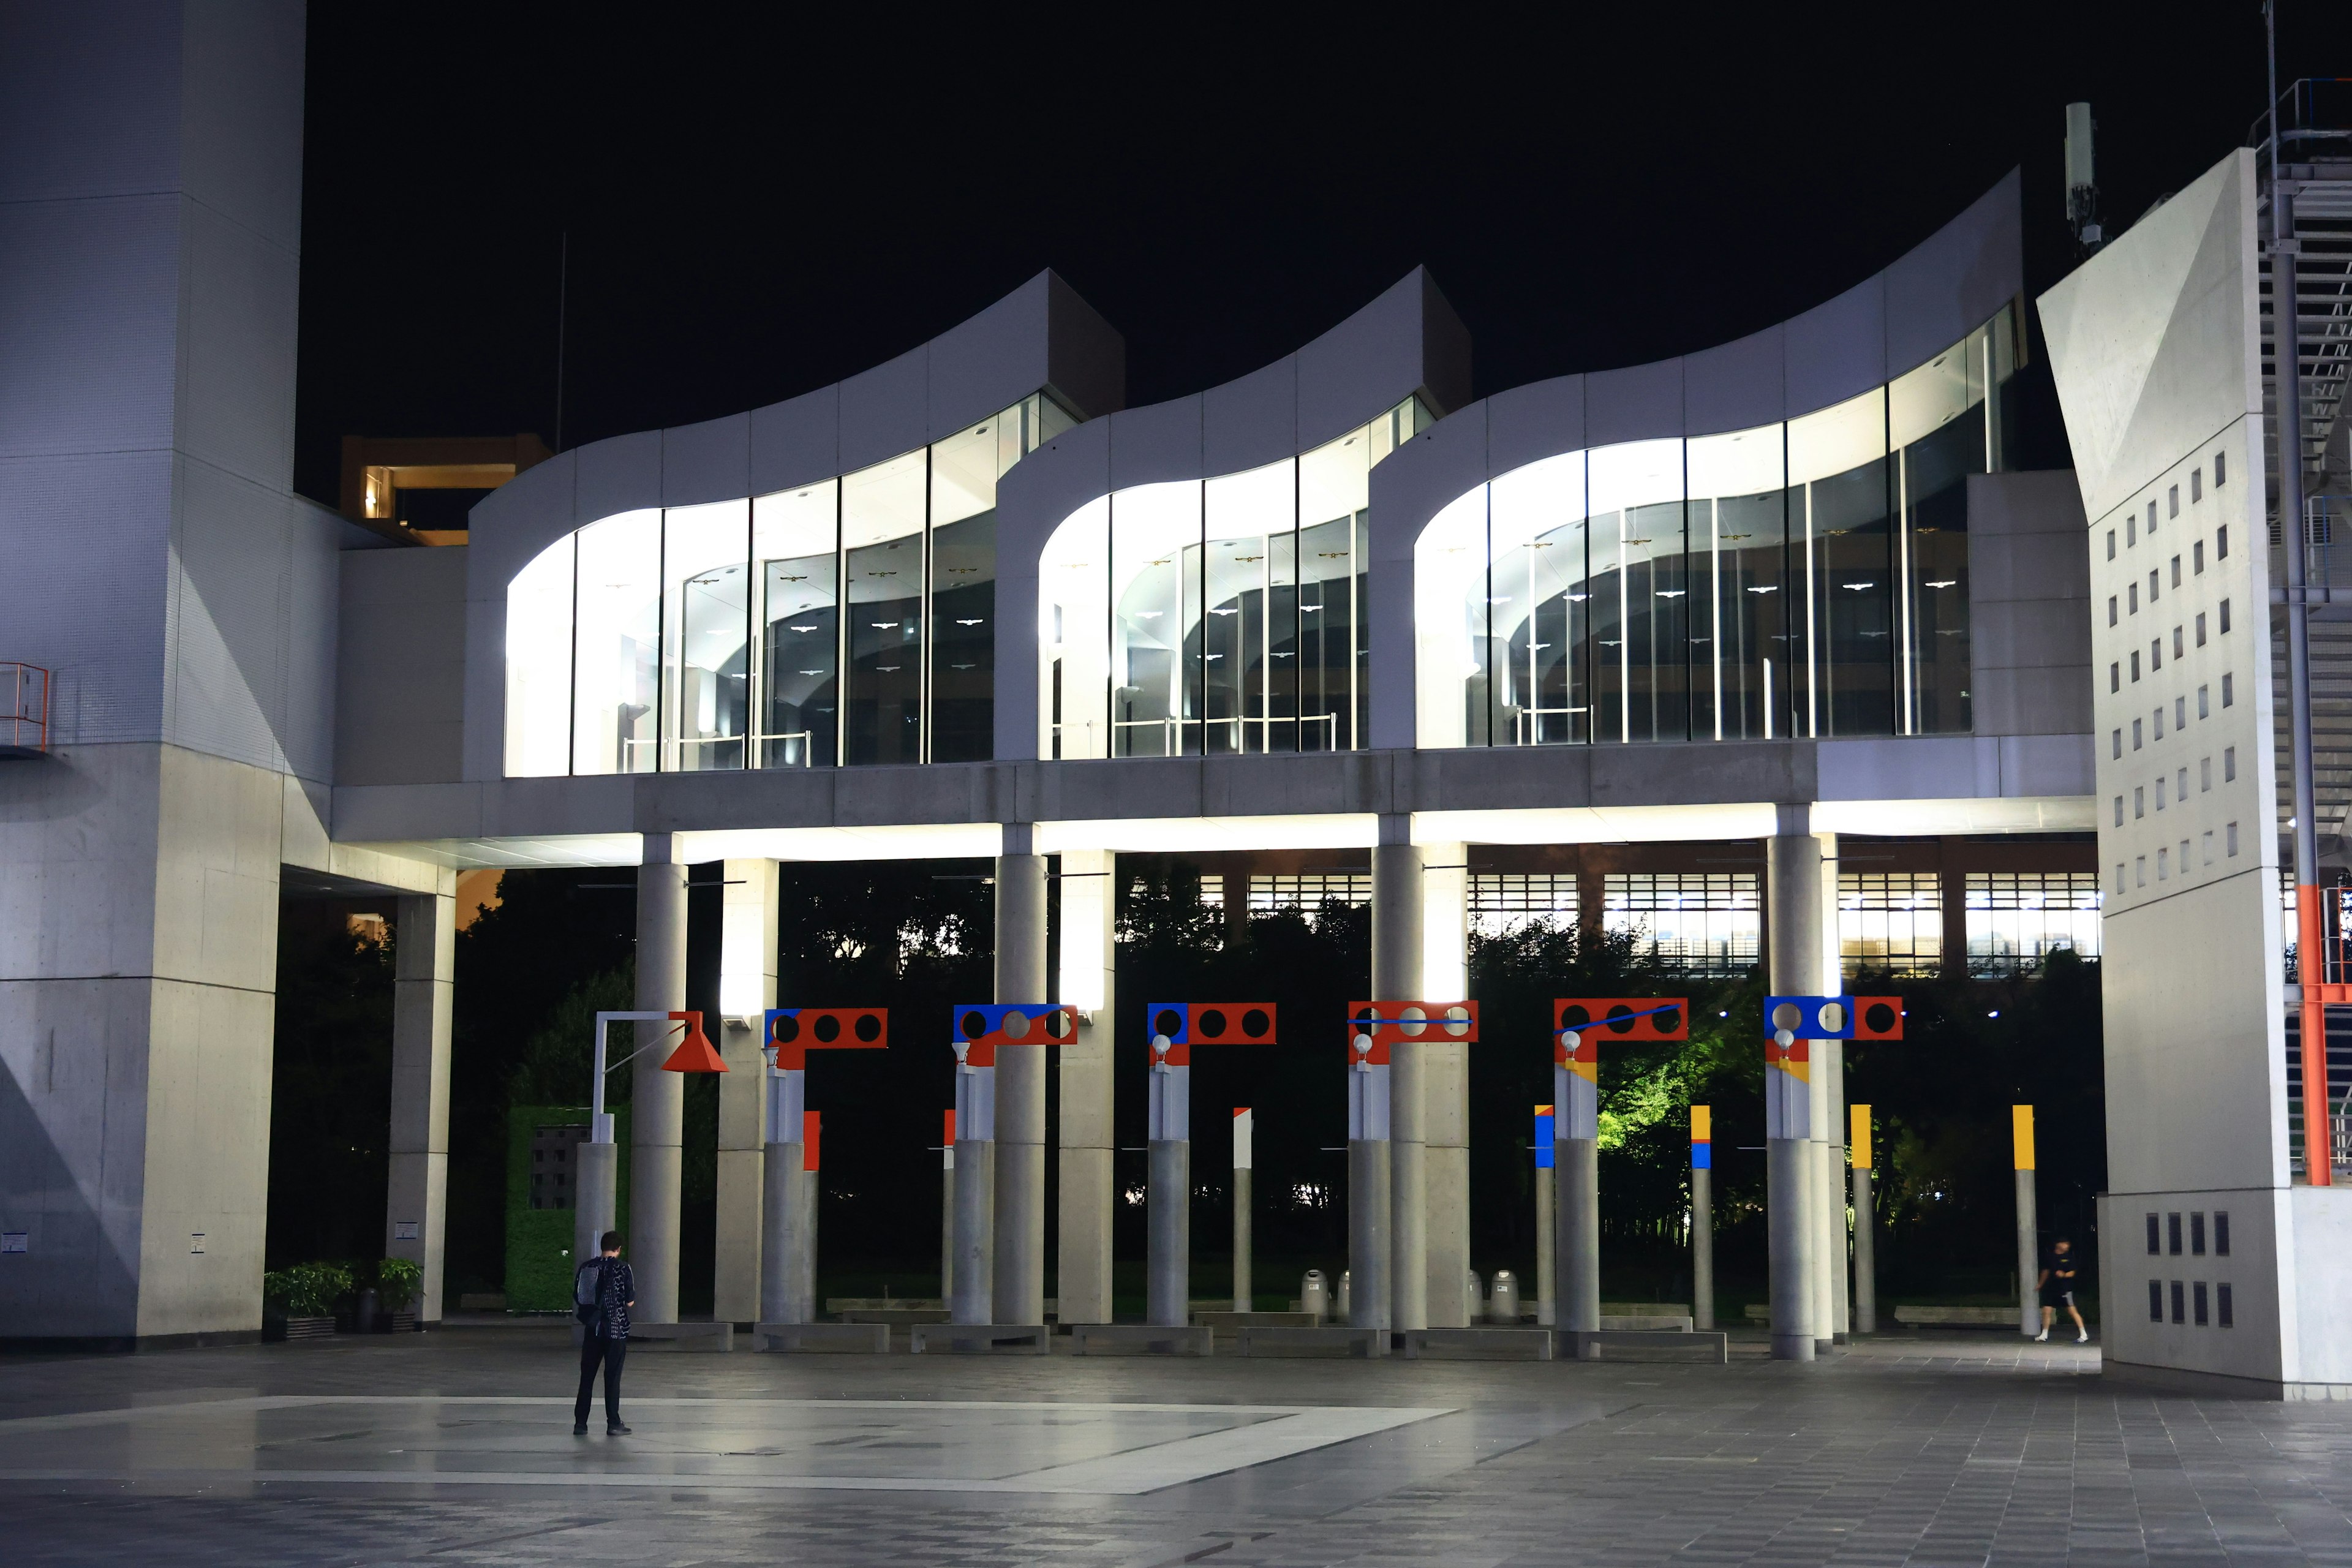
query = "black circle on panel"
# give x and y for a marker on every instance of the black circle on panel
(1364, 1021)
(828, 1027)
(1213, 1024)
(1574, 1016)
(1878, 1017)
(788, 1029)
(974, 1023)
(868, 1027)
(1168, 1021)
(1255, 1024)
(1059, 1023)
(1621, 1019)
(1668, 1022)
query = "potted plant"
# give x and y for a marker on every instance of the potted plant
(396, 1283)
(304, 1297)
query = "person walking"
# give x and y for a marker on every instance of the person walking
(2057, 1287)
(602, 1291)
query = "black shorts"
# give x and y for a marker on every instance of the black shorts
(2056, 1295)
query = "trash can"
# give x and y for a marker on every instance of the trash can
(1503, 1307)
(1315, 1295)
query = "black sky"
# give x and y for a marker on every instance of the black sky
(765, 200)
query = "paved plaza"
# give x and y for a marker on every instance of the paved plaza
(457, 1447)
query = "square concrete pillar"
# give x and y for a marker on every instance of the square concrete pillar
(416, 1220)
(1446, 1084)
(746, 989)
(1089, 981)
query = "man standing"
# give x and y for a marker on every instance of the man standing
(604, 1291)
(2057, 1287)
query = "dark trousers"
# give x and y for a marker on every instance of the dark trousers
(595, 1349)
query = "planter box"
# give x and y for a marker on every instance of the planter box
(310, 1328)
(403, 1323)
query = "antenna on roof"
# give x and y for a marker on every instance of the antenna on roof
(2082, 180)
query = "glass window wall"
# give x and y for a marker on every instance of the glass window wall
(1233, 610)
(1806, 578)
(714, 637)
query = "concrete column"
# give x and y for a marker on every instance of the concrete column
(1576, 1162)
(1546, 1249)
(972, 1285)
(1792, 898)
(2029, 1222)
(1701, 1179)
(947, 1216)
(596, 1175)
(1169, 1269)
(1397, 957)
(783, 1184)
(1019, 1265)
(1089, 981)
(1829, 1123)
(657, 1098)
(1245, 1296)
(1367, 1233)
(1446, 1085)
(416, 1194)
(746, 989)
(1866, 1255)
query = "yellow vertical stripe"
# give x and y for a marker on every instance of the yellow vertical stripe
(2021, 1135)
(1858, 1117)
(1702, 1124)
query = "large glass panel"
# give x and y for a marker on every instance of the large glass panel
(1639, 593)
(1838, 491)
(1074, 635)
(1739, 640)
(539, 664)
(1334, 501)
(882, 541)
(1155, 545)
(617, 683)
(1449, 618)
(1243, 590)
(707, 630)
(1935, 415)
(795, 540)
(1539, 605)
(964, 470)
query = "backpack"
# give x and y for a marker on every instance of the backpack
(584, 1284)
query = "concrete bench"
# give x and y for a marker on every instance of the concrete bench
(1478, 1344)
(1660, 1322)
(871, 1339)
(981, 1339)
(1361, 1344)
(1930, 1317)
(1617, 1344)
(717, 1337)
(1141, 1339)
(1229, 1322)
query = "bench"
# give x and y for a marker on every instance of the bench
(1710, 1347)
(1478, 1344)
(981, 1339)
(717, 1337)
(1141, 1339)
(871, 1339)
(1361, 1344)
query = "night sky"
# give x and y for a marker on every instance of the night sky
(763, 201)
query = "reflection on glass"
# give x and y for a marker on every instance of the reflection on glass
(964, 470)
(616, 659)
(795, 537)
(1249, 585)
(1798, 579)
(707, 626)
(882, 512)
(539, 664)
(1154, 536)
(1073, 635)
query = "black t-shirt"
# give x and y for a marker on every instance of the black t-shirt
(2062, 1268)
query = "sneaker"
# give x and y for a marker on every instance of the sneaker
(580, 1429)
(2040, 1337)
(2081, 1336)
(617, 1430)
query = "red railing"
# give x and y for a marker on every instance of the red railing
(24, 710)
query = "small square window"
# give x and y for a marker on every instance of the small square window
(2180, 786)
(2172, 1234)
(2178, 1302)
(2204, 707)
(2131, 596)
(2230, 766)
(2111, 609)
(2176, 570)
(2131, 528)
(2180, 716)
(2159, 792)
(2115, 677)
(2139, 870)
(2221, 542)
(2221, 1232)
(2200, 628)
(2184, 856)
(2159, 717)
(2225, 617)
(2204, 774)
(2135, 664)
(2208, 846)
(2198, 1293)
(2163, 865)
(2156, 1300)
(2152, 582)
(2197, 1235)
(2222, 1314)
(2151, 516)
(2120, 878)
(2196, 485)
(2119, 811)
(2119, 745)
(2153, 1246)
(2220, 470)
(2230, 839)
(2172, 502)
(2155, 654)
(2111, 544)
(2136, 727)
(2197, 558)
(2139, 802)
(2229, 688)
(2176, 642)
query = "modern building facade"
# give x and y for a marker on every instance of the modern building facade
(1778, 595)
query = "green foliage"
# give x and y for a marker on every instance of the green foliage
(396, 1283)
(537, 1276)
(559, 1057)
(306, 1290)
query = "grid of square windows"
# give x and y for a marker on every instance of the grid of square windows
(1705, 924)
